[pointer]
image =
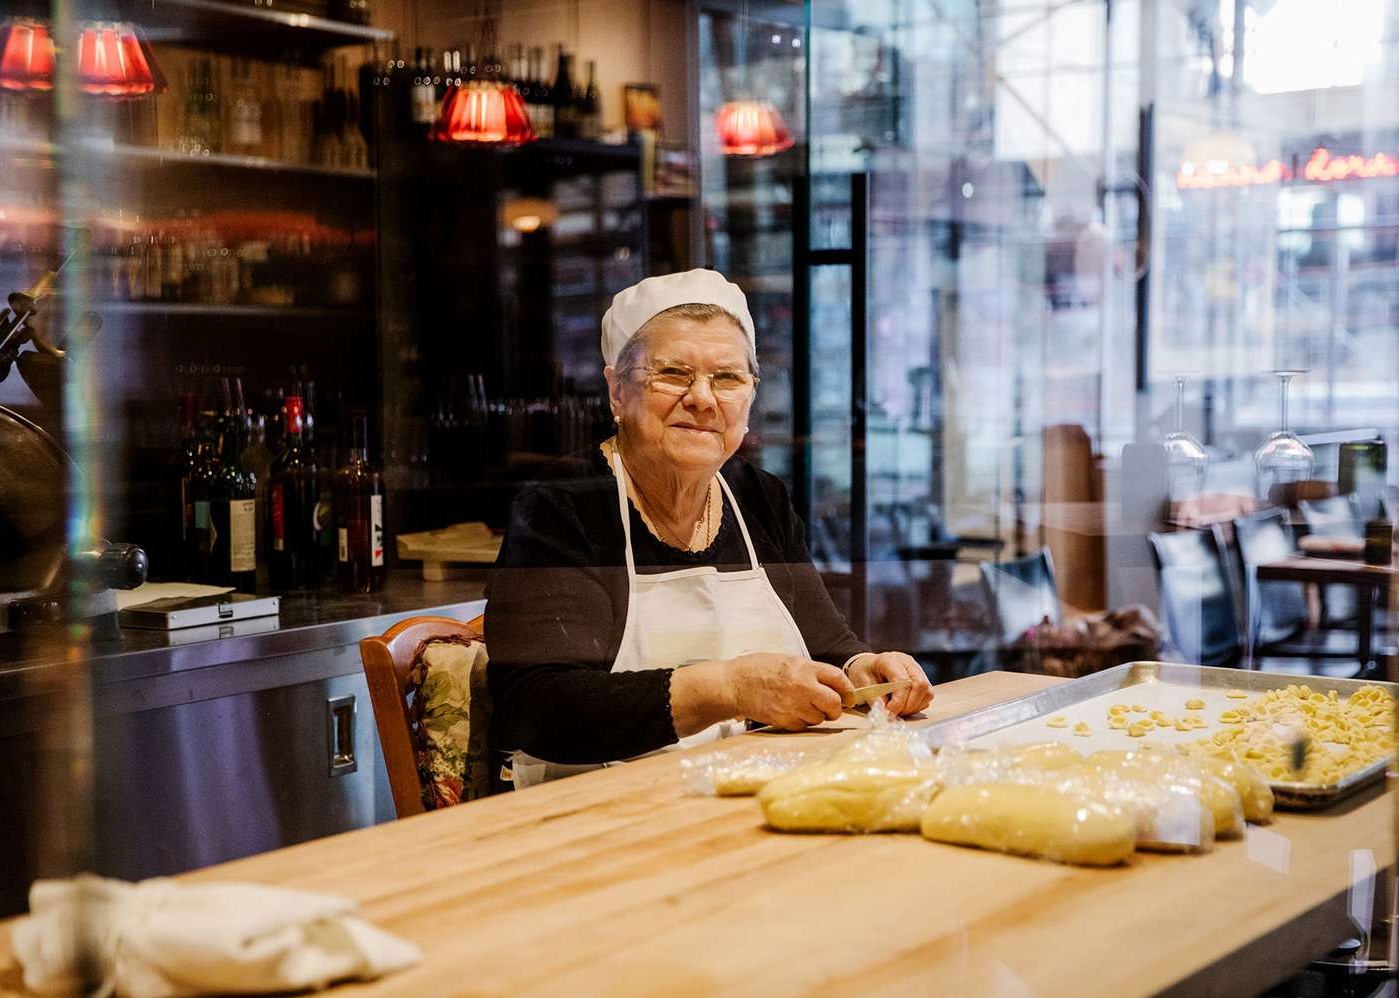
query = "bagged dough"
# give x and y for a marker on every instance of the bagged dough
(1043, 755)
(1253, 790)
(878, 783)
(1168, 817)
(1170, 770)
(736, 774)
(1031, 821)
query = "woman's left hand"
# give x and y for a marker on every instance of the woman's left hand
(890, 667)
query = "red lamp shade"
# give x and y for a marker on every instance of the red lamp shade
(486, 111)
(26, 56)
(114, 62)
(751, 128)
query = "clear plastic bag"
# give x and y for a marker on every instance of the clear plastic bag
(735, 773)
(879, 782)
(1171, 769)
(1028, 820)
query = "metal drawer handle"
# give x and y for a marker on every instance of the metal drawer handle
(340, 734)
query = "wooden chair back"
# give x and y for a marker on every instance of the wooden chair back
(388, 662)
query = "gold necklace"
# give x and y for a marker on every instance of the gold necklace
(682, 545)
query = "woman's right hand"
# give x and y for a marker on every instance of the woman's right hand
(788, 692)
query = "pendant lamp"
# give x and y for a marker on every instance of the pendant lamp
(485, 111)
(26, 56)
(752, 128)
(113, 61)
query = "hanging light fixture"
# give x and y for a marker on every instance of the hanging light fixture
(752, 128)
(26, 56)
(486, 111)
(113, 61)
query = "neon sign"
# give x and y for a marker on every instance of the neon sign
(1324, 166)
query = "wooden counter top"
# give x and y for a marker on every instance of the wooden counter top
(622, 882)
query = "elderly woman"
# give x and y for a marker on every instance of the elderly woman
(659, 592)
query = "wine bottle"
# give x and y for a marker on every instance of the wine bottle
(291, 562)
(182, 472)
(201, 538)
(233, 511)
(424, 92)
(590, 106)
(565, 101)
(359, 516)
(542, 110)
(245, 112)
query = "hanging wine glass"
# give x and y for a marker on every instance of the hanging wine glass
(1187, 461)
(1283, 458)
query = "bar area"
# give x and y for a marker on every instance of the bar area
(522, 496)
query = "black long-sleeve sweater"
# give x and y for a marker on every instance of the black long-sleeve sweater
(558, 604)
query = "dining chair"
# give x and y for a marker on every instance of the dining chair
(1335, 516)
(1197, 602)
(1275, 620)
(393, 671)
(1021, 594)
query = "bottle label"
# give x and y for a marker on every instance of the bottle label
(344, 554)
(376, 530)
(201, 515)
(279, 520)
(242, 535)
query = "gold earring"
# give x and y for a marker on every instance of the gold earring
(617, 420)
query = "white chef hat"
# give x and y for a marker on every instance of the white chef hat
(632, 308)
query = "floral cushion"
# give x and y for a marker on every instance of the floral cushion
(452, 718)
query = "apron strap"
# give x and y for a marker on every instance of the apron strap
(743, 527)
(619, 472)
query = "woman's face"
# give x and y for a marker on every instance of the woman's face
(695, 433)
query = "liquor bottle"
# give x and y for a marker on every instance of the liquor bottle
(233, 513)
(201, 538)
(182, 470)
(291, 503)
(565, 101)
(245, 132)
(590, 107)
(541, 110)
(359, 515)
(201, 126)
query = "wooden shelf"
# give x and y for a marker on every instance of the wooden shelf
(340, 313)
(244, 28)
(155, 158)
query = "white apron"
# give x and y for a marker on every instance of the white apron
(690, 615)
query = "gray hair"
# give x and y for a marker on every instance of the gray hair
(634, 353)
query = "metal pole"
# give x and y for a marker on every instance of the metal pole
(859, 402)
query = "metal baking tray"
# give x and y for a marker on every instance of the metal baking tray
(983, 724)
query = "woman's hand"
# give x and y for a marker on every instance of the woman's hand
(890, 667)
(786, 691)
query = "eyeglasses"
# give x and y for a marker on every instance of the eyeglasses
(677, 380)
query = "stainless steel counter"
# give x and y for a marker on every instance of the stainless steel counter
(217, 748)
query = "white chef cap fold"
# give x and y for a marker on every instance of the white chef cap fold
(633, 308)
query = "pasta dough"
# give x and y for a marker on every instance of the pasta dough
(1165, 769)
(1169, 817)
(879, 783)
(1254, 792)
(1031, 821)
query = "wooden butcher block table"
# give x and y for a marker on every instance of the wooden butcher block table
(623, 882)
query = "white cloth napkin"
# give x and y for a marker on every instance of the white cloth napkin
(162, 939)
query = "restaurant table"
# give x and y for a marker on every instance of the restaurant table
(622, 881)
(1367, 580)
